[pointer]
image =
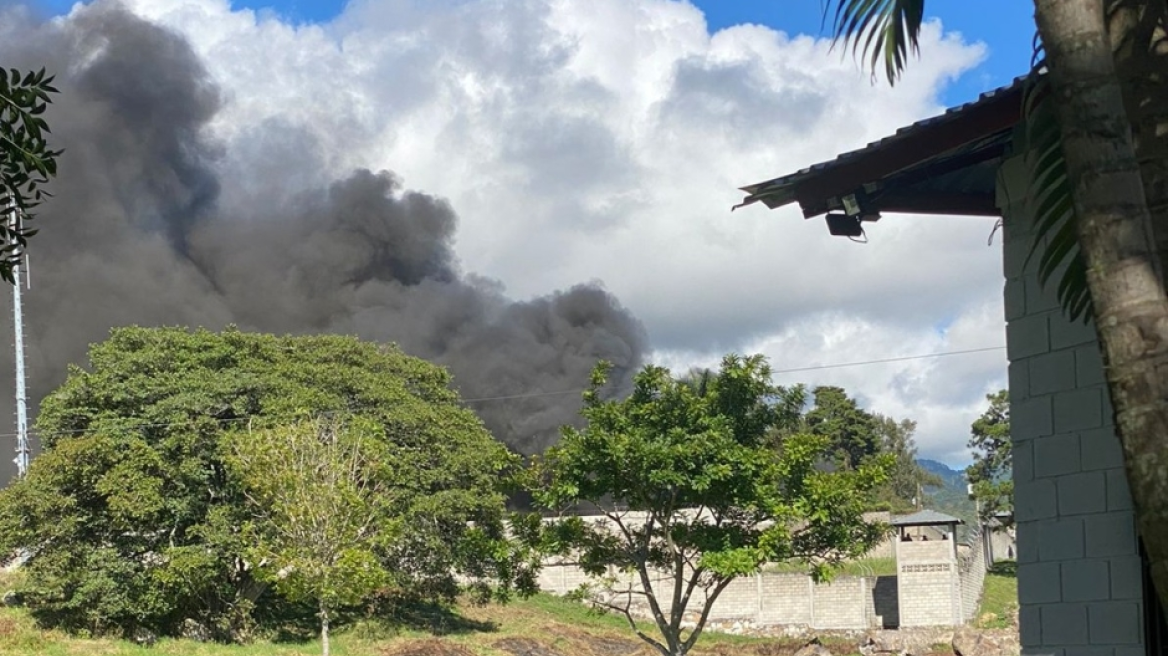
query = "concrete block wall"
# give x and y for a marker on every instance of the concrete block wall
(841, 604)
(932, 581)
(765, 599)
(1079, 585)
(786, 600)
(561, 576)
(971, 570)
(929, 551)
(740, 599)
(928, 589)
(928, 595)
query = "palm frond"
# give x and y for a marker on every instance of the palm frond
(888, 29)
(1055, 240)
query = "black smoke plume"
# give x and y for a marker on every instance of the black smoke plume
(147, 227)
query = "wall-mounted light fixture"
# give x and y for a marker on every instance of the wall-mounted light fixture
(849, 222)
(844, 225)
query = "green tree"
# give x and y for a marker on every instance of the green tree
(907, 480)
(695, 494)
(850, 428)
(1098, 156)
(991, 471)
(132, 516)
(26, 161)
(321, 510)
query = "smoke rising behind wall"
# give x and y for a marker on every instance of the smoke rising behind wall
(148, 227)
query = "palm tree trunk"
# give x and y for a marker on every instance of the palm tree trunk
(1136, 30)
(1116, 236)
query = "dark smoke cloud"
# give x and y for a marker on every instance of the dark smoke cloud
(149, 226)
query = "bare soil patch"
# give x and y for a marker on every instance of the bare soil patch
(426, 647)
(525, 647)
(598, 645)
(612, 646)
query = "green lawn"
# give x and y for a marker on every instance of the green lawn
(999, 599)
(540, 626)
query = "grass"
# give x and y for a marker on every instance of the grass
(862, 567)
(539, 626)
(999, 599)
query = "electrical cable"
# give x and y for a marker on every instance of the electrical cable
(821, 367)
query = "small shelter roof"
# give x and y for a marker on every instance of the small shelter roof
(925, 518)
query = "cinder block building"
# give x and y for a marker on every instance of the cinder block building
(1082, 583)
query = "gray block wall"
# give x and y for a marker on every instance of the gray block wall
(769, 598)
(841, 604)
(928, 583)
(1079, 585)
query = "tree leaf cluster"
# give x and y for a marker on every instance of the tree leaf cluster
(322, 510)
(696, 492)
(856, 436)
(134, 515)
(26, 161)
(880, 29)
(991, 473)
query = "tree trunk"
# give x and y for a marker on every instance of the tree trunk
(324, 629)
(1136, 29)
(1136, 32)
(1116, 236)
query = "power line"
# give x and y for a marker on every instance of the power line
(886, 360)
(840, 365)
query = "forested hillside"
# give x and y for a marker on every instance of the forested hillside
(952, 497)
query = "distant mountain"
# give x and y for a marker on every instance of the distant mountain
(953, 478)
(953, 496)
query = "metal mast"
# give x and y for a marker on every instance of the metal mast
(22, 449)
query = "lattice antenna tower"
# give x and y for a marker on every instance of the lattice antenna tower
(22, 444)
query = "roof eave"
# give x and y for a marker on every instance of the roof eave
(820, 186)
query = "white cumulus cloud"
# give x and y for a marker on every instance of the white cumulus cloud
(605, 140)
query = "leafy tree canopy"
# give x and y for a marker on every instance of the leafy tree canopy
(851, 430)
(696, 494)
(904, 491)
(133, 518)
(856, 435)
(323, 510)
(991, 471)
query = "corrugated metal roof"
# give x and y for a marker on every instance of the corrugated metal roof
(780, 191)
(925, 518)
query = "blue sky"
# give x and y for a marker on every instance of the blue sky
(1005, 26)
